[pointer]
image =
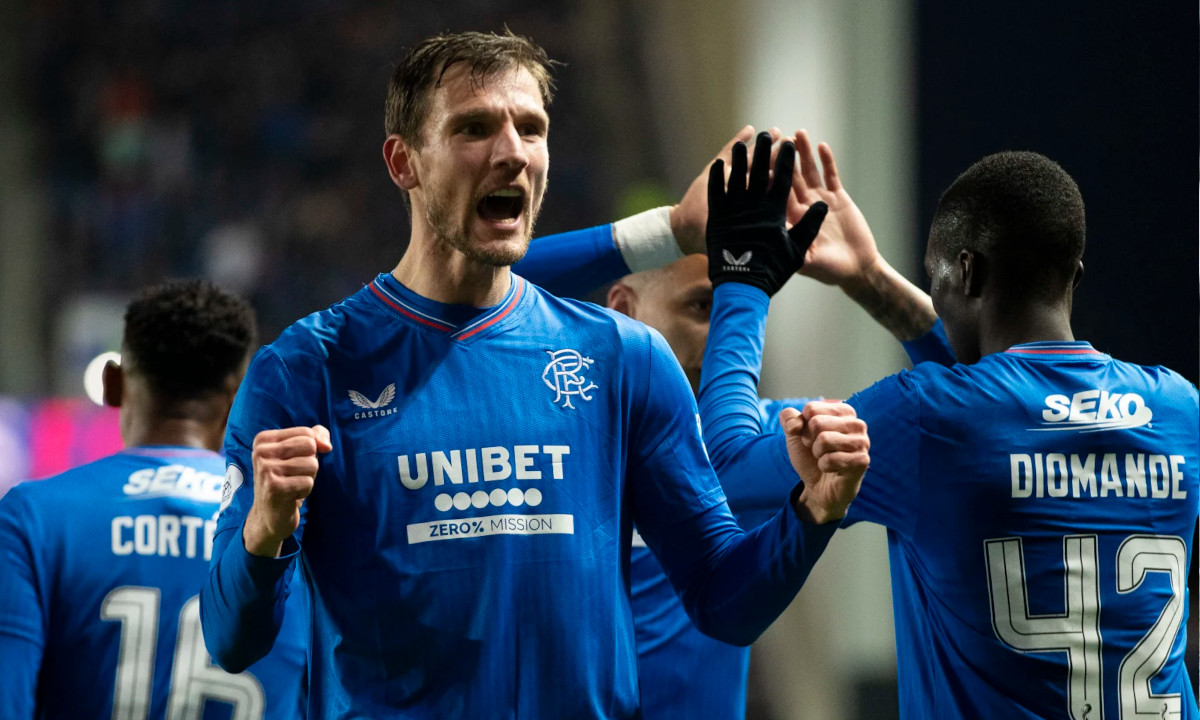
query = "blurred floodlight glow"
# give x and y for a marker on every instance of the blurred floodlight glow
(93, 383)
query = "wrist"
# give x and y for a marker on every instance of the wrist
(257, 539)
(815, 513)
(689, 238)
(866, 282)
(647, 240)
(900, 307)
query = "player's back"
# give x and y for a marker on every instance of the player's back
(116, 552)
(1041, 571)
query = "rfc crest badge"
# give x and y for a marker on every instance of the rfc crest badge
(564, 375)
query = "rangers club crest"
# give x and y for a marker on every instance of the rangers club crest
(564, 375)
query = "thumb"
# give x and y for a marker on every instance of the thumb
(791, 421)
(321, 435)
(805, 231)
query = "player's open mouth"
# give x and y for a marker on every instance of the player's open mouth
(503, 206)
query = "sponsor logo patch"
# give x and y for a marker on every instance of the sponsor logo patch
(233, 480)
(1094, 411)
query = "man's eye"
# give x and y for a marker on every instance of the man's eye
(531, 129)
(473, 129)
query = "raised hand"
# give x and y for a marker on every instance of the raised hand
(690, 215)
(285, 468)
(829, 449)
(844, 251)
(746, 236)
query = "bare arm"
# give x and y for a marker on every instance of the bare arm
(844, 253)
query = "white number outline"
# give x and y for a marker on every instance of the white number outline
(1075, 631)
(1137, 556)
(136, 608)
(194, 677)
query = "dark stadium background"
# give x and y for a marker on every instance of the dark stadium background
(239, 140)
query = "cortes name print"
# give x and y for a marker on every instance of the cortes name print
(489, 464)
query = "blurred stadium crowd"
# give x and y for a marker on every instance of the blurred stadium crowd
(241, 142)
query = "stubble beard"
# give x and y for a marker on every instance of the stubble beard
(457, 236)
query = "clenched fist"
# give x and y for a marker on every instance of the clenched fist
(828, 446)
(285, 466)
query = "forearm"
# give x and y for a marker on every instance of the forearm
(756, 473)
(21, 659)
(573, 264)
(902, 308)
(242, 602)
(739, 582)
(728, 401)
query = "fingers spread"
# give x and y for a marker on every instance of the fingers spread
(761, 168)
(716, 184)
(785, 163)
(737, 172)
(808, 162)
(833, 181)
(744, 135)
(804, 232)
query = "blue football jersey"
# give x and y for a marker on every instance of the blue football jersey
(100, 569)
(683, 672)
(1040, 507)
(467, 539)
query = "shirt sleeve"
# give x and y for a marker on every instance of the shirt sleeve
(573, 264)
(745, 443)
(22, 617)
(933, 346)
(891, 490)
(242, 602)
(733, 584)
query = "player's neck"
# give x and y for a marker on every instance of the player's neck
(440, 272)
(1018, 326)
(138, 431)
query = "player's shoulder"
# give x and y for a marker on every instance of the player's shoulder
(1164, 379)
(592, 319)
(312, 336)
(311, 332)
(57, 495)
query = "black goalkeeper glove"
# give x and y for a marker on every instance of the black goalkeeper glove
(746, 236)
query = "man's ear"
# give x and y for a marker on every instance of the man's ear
(973, 271)
(112, 378)
(1078, 276)
(623, 299)
(398, 155)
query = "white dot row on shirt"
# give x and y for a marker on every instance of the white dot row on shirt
(480, 499)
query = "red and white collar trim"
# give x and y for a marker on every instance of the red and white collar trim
(471, 329)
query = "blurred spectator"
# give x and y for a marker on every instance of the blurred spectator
(241, 141)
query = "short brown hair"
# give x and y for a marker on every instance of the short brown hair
(426, 63)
